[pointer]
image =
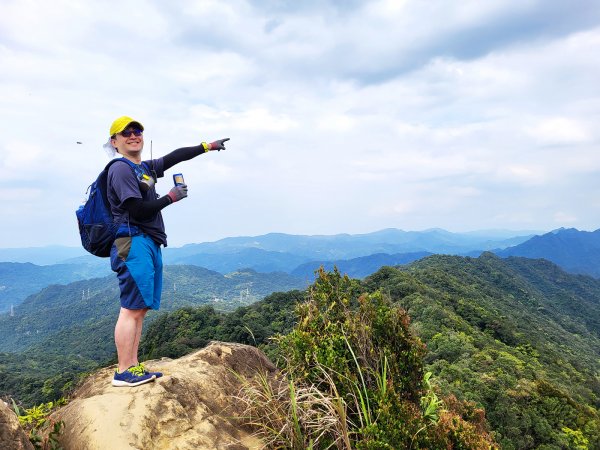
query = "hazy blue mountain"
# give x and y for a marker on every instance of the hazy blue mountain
(53, 254)
(292, 250)
(346, 246)
(274, 252)
(573, 250)
(88, 260)
(254, 258)
(18, 280)
(357, 267)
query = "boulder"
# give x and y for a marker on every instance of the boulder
(192, 406)
(12, 436)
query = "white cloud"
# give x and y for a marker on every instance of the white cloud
(559, 131)
(342, 117)
(336, 122)
(561, 217)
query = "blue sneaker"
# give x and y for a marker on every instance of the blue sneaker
(156, 374)
(133, 376)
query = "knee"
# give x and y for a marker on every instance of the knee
(135, 314)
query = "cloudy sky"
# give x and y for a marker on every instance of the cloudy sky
(344, 116)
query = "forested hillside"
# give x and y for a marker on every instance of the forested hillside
(77, 305)
(64, 330)
(19, 280)
(518, 337)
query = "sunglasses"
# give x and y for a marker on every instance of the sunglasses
(128, 133)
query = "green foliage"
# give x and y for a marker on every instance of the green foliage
(430, 403)
(575, 439)
(37, 416)
(179, 332)
(364, 343)
(517, 337)
(48, 438)
(33, 378)
(43, 431)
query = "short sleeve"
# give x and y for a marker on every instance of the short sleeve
(123, 183)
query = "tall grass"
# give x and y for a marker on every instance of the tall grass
(365, 416)
(287, 414)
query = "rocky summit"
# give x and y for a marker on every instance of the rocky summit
(191, 407)
(12, 435)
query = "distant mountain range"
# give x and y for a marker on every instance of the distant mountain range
(300, 256)
(358, 267)
(255, 258)
(358, 255)
(302, 247)
(52, 254)
(573, 250)
(346, 246)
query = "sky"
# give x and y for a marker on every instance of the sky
(344, 116)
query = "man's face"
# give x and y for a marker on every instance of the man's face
(130, 140)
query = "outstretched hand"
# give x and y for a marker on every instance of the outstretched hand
(218, 145)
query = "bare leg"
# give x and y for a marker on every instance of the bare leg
(127, 336)
(138, 337)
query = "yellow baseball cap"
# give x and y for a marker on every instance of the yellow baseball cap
(123, 122)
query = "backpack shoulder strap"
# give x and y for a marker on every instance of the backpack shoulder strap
(102, 181)
(125, 160)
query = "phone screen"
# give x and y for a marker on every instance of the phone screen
(178, 179)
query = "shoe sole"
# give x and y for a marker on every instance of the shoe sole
(156, 374)
(120, 383)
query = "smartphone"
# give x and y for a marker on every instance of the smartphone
(178, 179)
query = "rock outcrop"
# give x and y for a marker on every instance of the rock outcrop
(191, 407)
(12, 436)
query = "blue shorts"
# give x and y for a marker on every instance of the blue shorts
(138, 263)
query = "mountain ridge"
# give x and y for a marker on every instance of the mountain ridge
(275, 241)
(574, 250)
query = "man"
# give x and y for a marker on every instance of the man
(136, 255)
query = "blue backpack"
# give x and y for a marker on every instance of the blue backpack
(97, 227)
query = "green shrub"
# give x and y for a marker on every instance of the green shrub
(43, 431)
(357, 350)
